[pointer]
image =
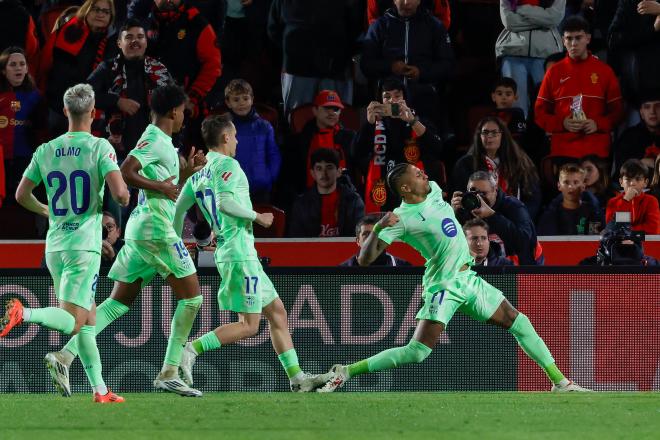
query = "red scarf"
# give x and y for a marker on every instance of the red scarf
(71, 39)
(324, 138)
(376, 195)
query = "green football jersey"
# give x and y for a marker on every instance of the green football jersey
(153, 216)
(431, 228)
(223, 174)
(73, 168)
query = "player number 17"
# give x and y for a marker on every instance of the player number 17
(254, 280)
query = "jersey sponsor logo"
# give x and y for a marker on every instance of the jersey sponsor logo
(226, 175)
(449, 227)
(4, 122)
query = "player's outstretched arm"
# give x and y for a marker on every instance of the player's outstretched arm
(118, 188)
(27, 200)
(230, 207)
(183, 203)
(374, 246)
(129, 171)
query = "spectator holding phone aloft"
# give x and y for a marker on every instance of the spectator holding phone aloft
(393, 134)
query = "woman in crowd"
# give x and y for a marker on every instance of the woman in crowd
(19, 104)
(72, 52)
(597, 178)
(495, 151)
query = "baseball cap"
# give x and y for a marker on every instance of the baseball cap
(328, 98)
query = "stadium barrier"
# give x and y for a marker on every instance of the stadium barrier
(602, 327)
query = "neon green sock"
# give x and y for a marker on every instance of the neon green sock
(182, 322)
(360, 367)
(413, 353)
(207, 342)
(89, 355)
(289, 360)
(554, 374)
(534, 347)
(54, 318)
(106, 313)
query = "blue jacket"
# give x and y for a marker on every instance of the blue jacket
(257, 152)
(420, 40)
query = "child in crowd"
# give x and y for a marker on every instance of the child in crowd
(643, 208)
(504, 95)
(573, 212)
(258, 154)
(597, 178)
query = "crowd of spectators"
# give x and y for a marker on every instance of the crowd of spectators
(328, 95)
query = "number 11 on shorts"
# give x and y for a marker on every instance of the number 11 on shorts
(254, 280)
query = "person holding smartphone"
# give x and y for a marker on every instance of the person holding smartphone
(392, 134)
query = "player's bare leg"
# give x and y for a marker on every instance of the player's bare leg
(280, 337)
(507, 317)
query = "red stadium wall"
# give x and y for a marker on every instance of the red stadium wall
(603, 330)
(558, 251)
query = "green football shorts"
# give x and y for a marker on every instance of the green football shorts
(75, 274)
(245, 287)
(467, 293)
(146, 258)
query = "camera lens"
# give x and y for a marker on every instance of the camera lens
(470, 201)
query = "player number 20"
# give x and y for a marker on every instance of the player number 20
(76, 177)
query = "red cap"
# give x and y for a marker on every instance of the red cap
(328, 98)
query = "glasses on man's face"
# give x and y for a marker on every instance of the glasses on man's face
(489, 133)
(476, 191)
(97, 10)
(110, 227)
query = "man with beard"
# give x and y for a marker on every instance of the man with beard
(123, 86)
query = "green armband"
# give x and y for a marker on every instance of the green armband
(377, 228)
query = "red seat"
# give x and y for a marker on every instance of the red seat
(268, 113)
(278, 227)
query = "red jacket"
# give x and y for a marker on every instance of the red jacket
(601, 101)
(644, 212)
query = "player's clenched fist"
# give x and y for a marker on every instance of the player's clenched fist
(264, 219)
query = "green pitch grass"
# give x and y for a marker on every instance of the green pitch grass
(353, 416)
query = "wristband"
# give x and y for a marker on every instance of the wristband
(377, 228)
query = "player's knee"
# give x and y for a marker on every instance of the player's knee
(251, 328)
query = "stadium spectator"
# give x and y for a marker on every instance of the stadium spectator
(409, 44)
(643, 208)
(439, 8)
(579, 103)
(484, 251)
(19, 30)
(258, 155)
(213, 10)
(597, 178)
(641, 141)
(573, 212)
(123, 86)
(112, 240)
(324, 131)
(493, 150)
(504, 95)
(506, 217)
(654, 188)
(20, 104)
(332, 207)
(387, 138)
(317, 39)
(529, 36)
(633, 46)
(362, 231)
(72, 53)
(184, 41)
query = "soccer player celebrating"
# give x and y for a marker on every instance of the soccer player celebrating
(427, 223)
(151, 244)
(73, 168)
(221, 190)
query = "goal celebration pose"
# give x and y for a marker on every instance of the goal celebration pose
(428, 224)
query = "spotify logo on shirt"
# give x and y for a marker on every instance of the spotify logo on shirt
(449, 228)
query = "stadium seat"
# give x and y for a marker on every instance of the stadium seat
(279, 222)
(268, 113)
(350, 117)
